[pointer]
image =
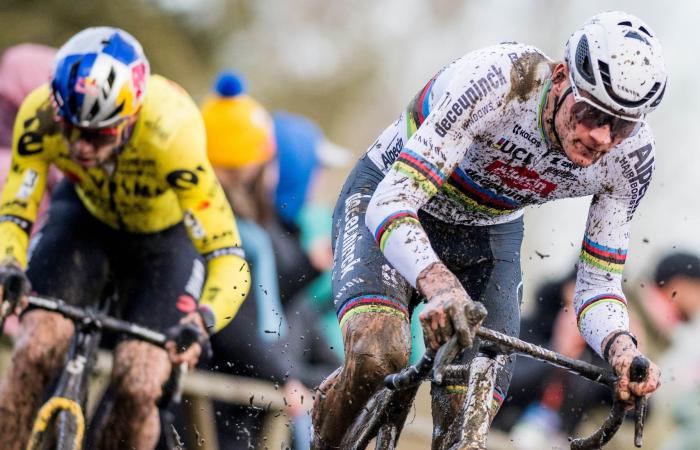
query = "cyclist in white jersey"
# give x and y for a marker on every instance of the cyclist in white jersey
(434, 209)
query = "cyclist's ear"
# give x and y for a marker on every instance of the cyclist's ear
(560, 73)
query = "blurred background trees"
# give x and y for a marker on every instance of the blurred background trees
(353, 65)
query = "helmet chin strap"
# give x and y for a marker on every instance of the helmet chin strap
(558, 101)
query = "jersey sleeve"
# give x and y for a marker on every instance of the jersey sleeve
(209, 221)
(27, 176)
(600, 304)
(428, 159)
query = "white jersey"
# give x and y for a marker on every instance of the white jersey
(470, 149)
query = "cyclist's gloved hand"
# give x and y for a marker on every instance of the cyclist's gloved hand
(620, 349)
(14, 286)
(449, 310)
(188, 341)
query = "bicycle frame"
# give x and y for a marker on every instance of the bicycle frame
(69, 398)
(67, 401)
(471, 431)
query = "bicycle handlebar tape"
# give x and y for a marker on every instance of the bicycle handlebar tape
(638, 372)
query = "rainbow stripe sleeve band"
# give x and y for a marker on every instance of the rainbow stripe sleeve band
(390, 223)
(599, 300)
(371, 304)
(602, 257)
(424, 173)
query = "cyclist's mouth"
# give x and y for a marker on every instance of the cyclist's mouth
(587, 155)
(85, 161)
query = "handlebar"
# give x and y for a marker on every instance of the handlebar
(415, 374)
(184, 336)
(638, 372)
(90, 318)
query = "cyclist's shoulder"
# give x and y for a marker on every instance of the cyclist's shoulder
(637, 151)
(628, 168)
(37, 132)
(505, 68)
(168, 116)
(38, 105)
(505, 55)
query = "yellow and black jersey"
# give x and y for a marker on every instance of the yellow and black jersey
(160, 177)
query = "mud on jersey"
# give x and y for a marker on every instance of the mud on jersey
(161, 177)
(470, 149)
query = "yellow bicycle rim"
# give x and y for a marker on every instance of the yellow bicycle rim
(48, 410)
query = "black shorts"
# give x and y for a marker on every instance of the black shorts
(158, 277)
(486, 259)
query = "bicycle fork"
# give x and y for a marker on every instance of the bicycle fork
(64, 409)
(478, 410)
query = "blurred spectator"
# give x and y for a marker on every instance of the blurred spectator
(23, 68)
(301, 230)
(301, 235)
(545, 403)
(678, 282)
(666, 301)
(240, 145)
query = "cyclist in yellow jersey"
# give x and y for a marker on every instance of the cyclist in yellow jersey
(140, 206)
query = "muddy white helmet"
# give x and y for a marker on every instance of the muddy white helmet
(617, 59)
(100, 77)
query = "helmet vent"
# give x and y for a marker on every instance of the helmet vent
(605, 75)
(637, 36)
(72, 99)
(658, 99)
(645, 31)
(583, 61)
(111, 77)
(117, 110)
(625, 23)
(93, 111)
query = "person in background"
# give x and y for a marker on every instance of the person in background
(665, 301)
(301, 229)
(545, 402)
(677, 302)
(23, 68)
(241, 147)
(301, 235)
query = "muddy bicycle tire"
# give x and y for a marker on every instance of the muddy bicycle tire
(67, 430)
(366, 426)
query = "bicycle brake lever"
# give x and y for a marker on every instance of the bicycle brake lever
(638, 372)
(444, 356)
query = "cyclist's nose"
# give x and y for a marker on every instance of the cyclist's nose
(602, 136)
(83, 149)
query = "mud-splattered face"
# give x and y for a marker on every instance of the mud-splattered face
(584, 141)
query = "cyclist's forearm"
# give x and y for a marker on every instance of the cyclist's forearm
(14, 239)
(599, 315)
(435, 279)
(400, 236)
(227, 285)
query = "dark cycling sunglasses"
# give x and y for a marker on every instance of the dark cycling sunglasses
(96, 136)
(591, 116)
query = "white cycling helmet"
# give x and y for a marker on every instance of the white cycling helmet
(100, 77)
(617, 59)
